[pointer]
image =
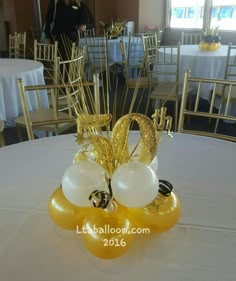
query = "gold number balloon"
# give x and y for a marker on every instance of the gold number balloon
(161, 215)
(107, 235)
(148, 142)
(96, 145)
(65, 214)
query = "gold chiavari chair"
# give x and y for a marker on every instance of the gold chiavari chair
(190, 38)
(163, 70)
(99, 67)
(222, 113)
(47, 54)
(2, 140)
(150, 41)
(86, 33)
(230, 72)
(131, 83)
(135, 53)
(97, 52)
(56, 119)
(17, 45)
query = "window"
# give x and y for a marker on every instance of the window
(190, 13)
(186, 13)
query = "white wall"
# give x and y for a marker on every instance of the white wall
(151, 12)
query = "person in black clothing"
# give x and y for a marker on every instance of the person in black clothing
(62, 24)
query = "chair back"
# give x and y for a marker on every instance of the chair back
(230, 69)
(66, 94)
(163, 64)
(97, 53)
(150, 41)
(191, 38)
(207, 113)
(47, 54)
(135, 51)
(87, 33)
(17, 45)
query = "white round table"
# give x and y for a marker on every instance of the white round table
(10, 70)
(202, 64)
(205, 64)
(200, 248)
(114, 50)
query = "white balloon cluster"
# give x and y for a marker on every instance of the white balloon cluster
(134, 184)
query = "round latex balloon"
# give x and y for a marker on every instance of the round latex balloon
(81, 179)
(134, 184)
(154, 164)
(108, 235)
(65, 214)
(159, 216)
(135, 157)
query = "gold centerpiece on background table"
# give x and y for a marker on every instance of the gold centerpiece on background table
(210, 40)
(113, 30)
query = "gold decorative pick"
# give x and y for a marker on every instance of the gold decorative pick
(161, 121)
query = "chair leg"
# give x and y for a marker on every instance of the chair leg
(190, 108)
(19, 133)
(176, 115)
(2, 140)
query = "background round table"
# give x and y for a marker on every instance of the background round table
(202, 64)
(114, 50)
(10, 70)
(200, 248)
(205, 64)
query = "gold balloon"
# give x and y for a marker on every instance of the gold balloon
(161, 215)
(100, 239)
(120, 135)
(64, 213)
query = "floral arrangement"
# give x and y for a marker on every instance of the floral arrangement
(210, 40)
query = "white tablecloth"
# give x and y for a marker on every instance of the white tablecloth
(201, 248)
(204, 64)
(10, 70)
(114, 50)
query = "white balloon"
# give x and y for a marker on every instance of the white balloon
(134, 185)
(154, 164)
(81, 179)
(135, 157)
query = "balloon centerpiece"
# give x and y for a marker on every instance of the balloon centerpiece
(112, 188)
(210, 40)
